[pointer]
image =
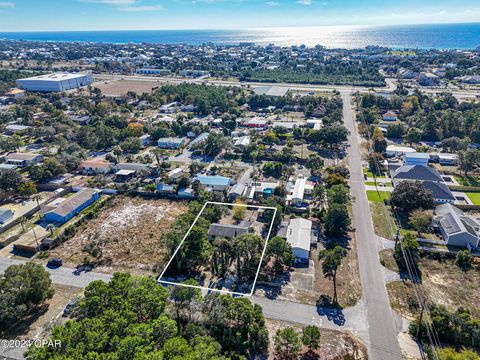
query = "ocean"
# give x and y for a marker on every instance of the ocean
(438, 36)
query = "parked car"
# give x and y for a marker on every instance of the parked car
(55, 262)
(69, 308)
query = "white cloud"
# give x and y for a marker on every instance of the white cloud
(305, 2)
(126, 5)
(272, 3)
(7, 4)
(140, 8)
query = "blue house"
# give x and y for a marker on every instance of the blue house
(72, 206)
(416, 158)
(165, 189)
(214, 183)
(170, 143)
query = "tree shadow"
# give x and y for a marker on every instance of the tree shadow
(310, 355)
(23, 326)
(333, 311)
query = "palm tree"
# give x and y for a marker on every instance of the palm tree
(51, 228)
(23, 220)
(37, 198)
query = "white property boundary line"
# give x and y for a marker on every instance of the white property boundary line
(188, 232)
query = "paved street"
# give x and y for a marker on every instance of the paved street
(383, 324)
(61, 275)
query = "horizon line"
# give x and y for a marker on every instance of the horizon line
(242, 29)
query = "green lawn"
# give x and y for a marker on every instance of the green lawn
(377, 196)
(474, 197)
(373, 183)
(468, 180)
(370, 174)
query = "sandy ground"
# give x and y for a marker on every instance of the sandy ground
(121, 87)
(128, 233)
(333, 344)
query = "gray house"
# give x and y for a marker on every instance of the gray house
(456, 228)
(430, 179)
(228, 231)
(415, 172)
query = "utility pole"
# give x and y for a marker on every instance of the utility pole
(420, 321)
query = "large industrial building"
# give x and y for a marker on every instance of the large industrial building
(55, 82)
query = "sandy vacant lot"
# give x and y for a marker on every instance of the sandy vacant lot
(126, 236)
(121, 87)
(333, 344)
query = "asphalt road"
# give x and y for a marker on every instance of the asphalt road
(383, 326)
(61, 275)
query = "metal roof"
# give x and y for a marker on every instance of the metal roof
(74, 201)
(299, 233)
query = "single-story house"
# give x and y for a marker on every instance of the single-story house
(5, 215)
(447, 159)
(23, 159)
(389, 116)
(16, 129)
(72, 205)
(132, 166)
(176, 173)
(242, 141)
(456, 228)
(398, 150)
(199, 139)
(417, 158)
(256, 123)
(165, 189)
(15, 93)
(81, 119)
(236, 191)
(96, 167)
(299, 234)
(170, 143)
(214, 183)
(415, 172)
(228, 231)
(144, 140)
(124, 175)
(185, 193)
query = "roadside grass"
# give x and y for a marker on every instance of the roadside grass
(474, 197)
(387, 260)
(371, 175)
(381, 223)
(373, 183)
(442, 280)
(378, 196)
(470, 180)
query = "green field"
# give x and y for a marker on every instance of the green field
(377, 196)
(474, 197)
(468, 180)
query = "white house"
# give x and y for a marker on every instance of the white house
(299, 234)
(456, 228)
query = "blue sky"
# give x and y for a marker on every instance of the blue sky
(53, 15)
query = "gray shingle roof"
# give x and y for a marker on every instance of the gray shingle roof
(416, 172)
(228, 230)
(439, 190)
